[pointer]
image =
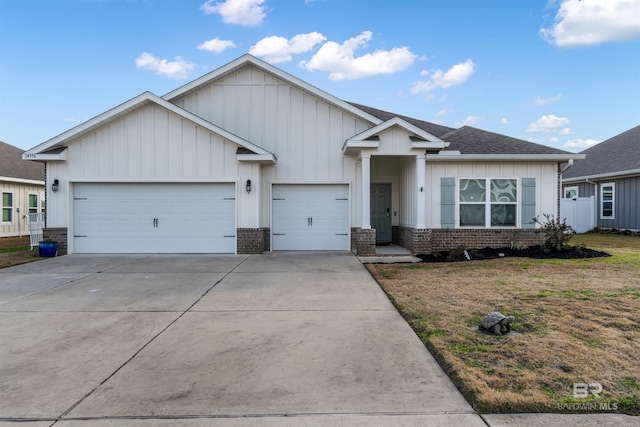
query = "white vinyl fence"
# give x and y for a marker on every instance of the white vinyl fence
(580, 213)
(36, 224)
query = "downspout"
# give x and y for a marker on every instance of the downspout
(567, 166)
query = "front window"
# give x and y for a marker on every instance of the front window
(7, 207)
(607, 199)
(488, 202)
(473, 200)
(33, 203)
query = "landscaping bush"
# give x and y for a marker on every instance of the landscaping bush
(557, 233)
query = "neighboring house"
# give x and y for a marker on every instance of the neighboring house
(249, 158)
(22, 187)
(611, 175)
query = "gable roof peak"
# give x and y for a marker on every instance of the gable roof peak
(248, 59)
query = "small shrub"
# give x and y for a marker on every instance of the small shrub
(557, 233)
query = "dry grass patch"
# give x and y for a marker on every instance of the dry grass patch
(16, 250)
(578, 321)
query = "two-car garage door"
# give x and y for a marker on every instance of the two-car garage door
(201, 217)
(154, 218)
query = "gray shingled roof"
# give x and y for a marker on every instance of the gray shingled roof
(433, 128)
(12, 165)
(467, 139)
(470, 140)
(617, 154)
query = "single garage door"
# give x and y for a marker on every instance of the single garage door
(154, 218)
(310, 217)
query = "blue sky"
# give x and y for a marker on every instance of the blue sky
(564, 73)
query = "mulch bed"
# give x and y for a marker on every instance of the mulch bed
(575, 252)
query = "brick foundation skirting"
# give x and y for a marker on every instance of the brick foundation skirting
(250, 240)
(58, 235)
(434, 240)
(363, 242)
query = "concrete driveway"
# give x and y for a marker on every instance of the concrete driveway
(193, 340)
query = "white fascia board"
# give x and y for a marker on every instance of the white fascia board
(268, 159)
(45, 157)
(619, 174)
(502, 157)
(354, 147)
(434, 145)
(250, 59)
(90, 125)
(396, 121)
(21, 180)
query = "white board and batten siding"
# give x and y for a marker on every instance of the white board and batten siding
(148, 145)
(310, 217)
(304, 131)
(539, 178)
(154, 218)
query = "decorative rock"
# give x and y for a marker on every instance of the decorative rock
(496, 323)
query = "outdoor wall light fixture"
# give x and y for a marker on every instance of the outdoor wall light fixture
(248, 186)
(55, 185)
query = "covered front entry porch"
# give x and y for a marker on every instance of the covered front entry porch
(392, 191)
(396, 201)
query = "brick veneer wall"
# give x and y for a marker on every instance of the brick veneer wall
(365, 241)
(250, 240)
(434, 240)
(58, 235)
(266, 236)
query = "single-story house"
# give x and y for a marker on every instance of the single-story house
(610, 175)
(248, 158)
(22, 188)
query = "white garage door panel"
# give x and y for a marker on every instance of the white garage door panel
(154, 218)
(310, 217)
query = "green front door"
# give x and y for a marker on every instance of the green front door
(381, 212)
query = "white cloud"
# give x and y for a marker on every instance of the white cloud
(177, 69)
(504, 121)
(544, 101)
(248, 13)
(443, 113)
(277, 49)
(216, 45)
(471, 121)
(548, 124)
(593, 22)
(340, 62)
(580, 143)
(566, 131)
(456, 75)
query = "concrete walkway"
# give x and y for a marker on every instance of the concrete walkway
(282, 339)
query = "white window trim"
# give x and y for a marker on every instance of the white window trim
(487, 203)
(613, 199)
(575, 188)
(29, 207)
(3, 207)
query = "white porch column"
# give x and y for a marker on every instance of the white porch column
(422, 197)
(366, 191)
